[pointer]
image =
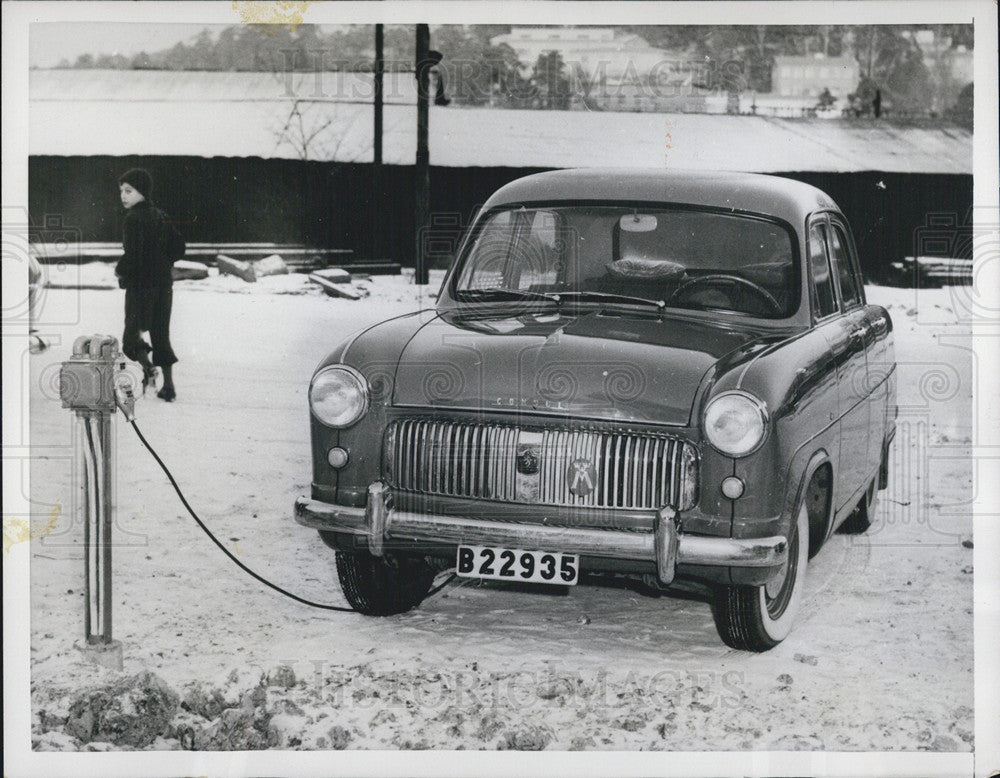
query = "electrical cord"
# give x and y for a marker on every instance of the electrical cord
(131, 420)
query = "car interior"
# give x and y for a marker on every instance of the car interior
(686, 258)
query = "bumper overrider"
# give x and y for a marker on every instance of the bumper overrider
(379, 524)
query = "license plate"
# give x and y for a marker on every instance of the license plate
(514, 564)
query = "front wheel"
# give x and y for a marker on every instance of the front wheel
(757, 618)
(383, 586)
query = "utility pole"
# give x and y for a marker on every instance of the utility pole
(379, 79)
(377, 198)
(422, 173)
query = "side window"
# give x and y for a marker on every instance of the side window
(821, 279)
(849, 290)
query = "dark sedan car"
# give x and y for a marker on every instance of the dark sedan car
(661, 375)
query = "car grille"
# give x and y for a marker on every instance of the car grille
(584, 468)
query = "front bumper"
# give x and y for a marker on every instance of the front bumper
(379, 524)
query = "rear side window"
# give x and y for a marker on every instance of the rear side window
(849, 290)
(821, 278)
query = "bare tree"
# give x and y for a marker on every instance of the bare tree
(317, 130)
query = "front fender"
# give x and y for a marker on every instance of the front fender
(797, 382)
(375, 353)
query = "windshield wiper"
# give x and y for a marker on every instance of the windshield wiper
(505, 294)
(608, 297)
(559, 298)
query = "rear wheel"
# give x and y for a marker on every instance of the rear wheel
(383, 586)
(864, 514)
(757, 618)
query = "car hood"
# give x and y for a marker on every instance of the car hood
(598, 365)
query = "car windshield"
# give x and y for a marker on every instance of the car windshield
(693, 259)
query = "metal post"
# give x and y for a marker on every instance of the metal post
(379, 82)
(378, 201)
(423, 179)
(87, 386)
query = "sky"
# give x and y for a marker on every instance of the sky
(48, 43)
(51, 42)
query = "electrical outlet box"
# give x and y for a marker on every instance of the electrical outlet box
(87, 379)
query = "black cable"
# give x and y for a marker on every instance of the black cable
(229, 554)
(441, 585)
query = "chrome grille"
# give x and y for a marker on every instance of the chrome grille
(615, 469)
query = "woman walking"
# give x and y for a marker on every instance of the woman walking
(150, 246)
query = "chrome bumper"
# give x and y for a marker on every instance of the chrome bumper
(666, 546)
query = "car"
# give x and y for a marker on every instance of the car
(668, 376)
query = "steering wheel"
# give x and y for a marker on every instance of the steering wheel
(724, 278)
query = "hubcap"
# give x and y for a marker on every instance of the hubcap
(773, 588)
(779, 591)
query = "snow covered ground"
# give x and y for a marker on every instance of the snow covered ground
(881, 657)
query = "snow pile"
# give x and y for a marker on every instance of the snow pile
(131, 711)
(89, 275)
(292, 283)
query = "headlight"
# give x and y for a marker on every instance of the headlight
(735, 423)
(338, 396)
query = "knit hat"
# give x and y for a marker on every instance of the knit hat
(139, 180)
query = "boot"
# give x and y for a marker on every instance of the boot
(168, 392)
(149, 374)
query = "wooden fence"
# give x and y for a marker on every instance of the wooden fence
(342, 206)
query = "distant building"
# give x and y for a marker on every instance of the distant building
(794, 76)
(949, 66)
(612, 71)
(941, 56)
(951, 70)
(597, 50)
(960, 64)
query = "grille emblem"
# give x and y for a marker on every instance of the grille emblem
(581, 475)
(527, 461)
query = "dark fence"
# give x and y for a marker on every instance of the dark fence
(895, 215)
(325, 205)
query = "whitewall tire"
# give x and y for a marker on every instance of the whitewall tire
(757, 618)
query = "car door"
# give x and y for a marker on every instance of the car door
(852, 374)
(874, 329)
(843, 329)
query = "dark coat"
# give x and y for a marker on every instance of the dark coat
(145, 240)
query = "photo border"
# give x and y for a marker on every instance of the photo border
(20, 760)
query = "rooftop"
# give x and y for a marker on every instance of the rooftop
(247, 115)
(782, 197)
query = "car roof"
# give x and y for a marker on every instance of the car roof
(783, 198)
